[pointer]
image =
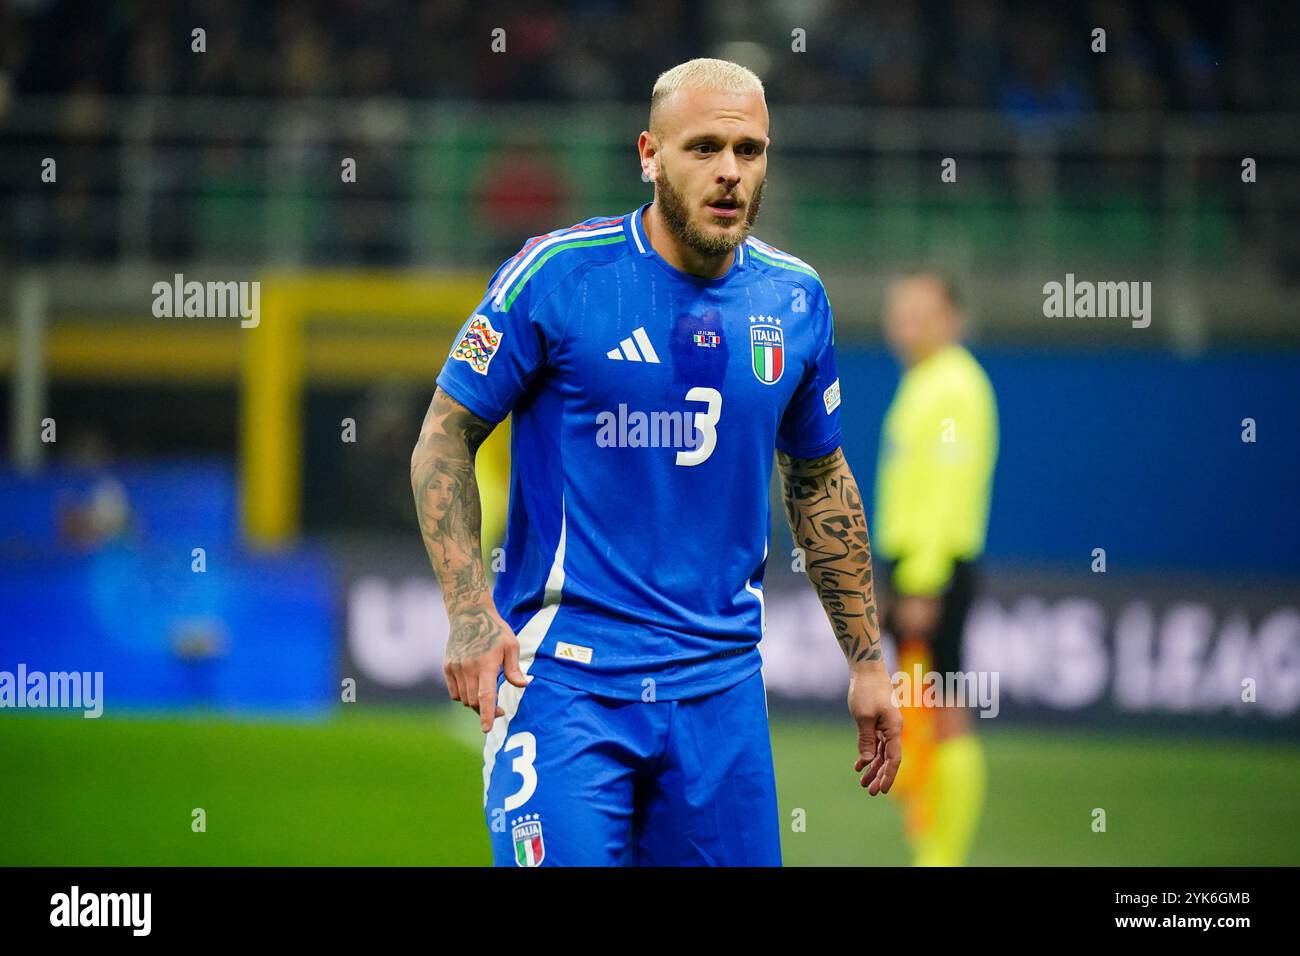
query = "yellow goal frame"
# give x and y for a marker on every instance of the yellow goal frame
(279, 356)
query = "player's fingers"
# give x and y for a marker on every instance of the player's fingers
(870, 779)
(874, 777)
(867, 761)
(893, 760)
(866, 743)
(487, 700)
(451, 673)
(469, 688)
(871, 768)
(885, 779)
(882, 780)
(463, 686)
(513, 672)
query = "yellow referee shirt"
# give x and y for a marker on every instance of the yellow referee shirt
(938, 447)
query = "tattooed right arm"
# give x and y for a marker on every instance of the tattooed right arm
(447, 500)
(451, 517)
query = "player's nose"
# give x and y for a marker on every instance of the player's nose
(729, 171)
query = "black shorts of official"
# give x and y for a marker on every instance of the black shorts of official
(955, 604)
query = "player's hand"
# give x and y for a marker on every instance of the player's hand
(480, 645)
(880, 726)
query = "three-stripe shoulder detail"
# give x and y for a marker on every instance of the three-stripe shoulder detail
(542, 249)
(775, 257)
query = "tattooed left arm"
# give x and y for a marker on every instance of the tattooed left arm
(824, 508)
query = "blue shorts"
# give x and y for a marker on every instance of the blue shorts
(573, 779)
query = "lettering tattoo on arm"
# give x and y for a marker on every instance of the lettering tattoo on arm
(824, 508)
(451, 517)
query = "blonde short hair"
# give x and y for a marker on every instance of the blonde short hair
(721, 76)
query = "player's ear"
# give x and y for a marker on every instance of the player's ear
(648, 147)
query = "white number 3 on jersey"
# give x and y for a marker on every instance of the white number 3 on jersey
(522, 765)
(705, 424)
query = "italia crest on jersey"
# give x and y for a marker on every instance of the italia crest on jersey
(767, 347)
(479, 343)
(527, 833)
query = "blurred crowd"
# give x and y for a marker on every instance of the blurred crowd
(1014, 56)
(209, 195)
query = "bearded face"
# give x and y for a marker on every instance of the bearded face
(694, 224)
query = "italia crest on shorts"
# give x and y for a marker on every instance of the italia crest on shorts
(527, 833)
(767, 347)
(479, 343)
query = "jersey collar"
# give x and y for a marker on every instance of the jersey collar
(641, 243)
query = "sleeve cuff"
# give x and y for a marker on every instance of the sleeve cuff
(467, 398)
(813, 451)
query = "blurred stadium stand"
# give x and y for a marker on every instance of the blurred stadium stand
(1067, 159)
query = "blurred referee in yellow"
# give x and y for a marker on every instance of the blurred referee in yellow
(938, 448)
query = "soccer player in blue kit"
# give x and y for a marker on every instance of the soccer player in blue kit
(653, 362)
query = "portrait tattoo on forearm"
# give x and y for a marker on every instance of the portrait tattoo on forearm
(446, 497)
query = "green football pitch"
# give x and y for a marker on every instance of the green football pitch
(400, 787)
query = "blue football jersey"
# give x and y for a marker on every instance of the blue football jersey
(646, 406)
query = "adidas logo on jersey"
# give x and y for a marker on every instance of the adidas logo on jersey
(635, 348)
